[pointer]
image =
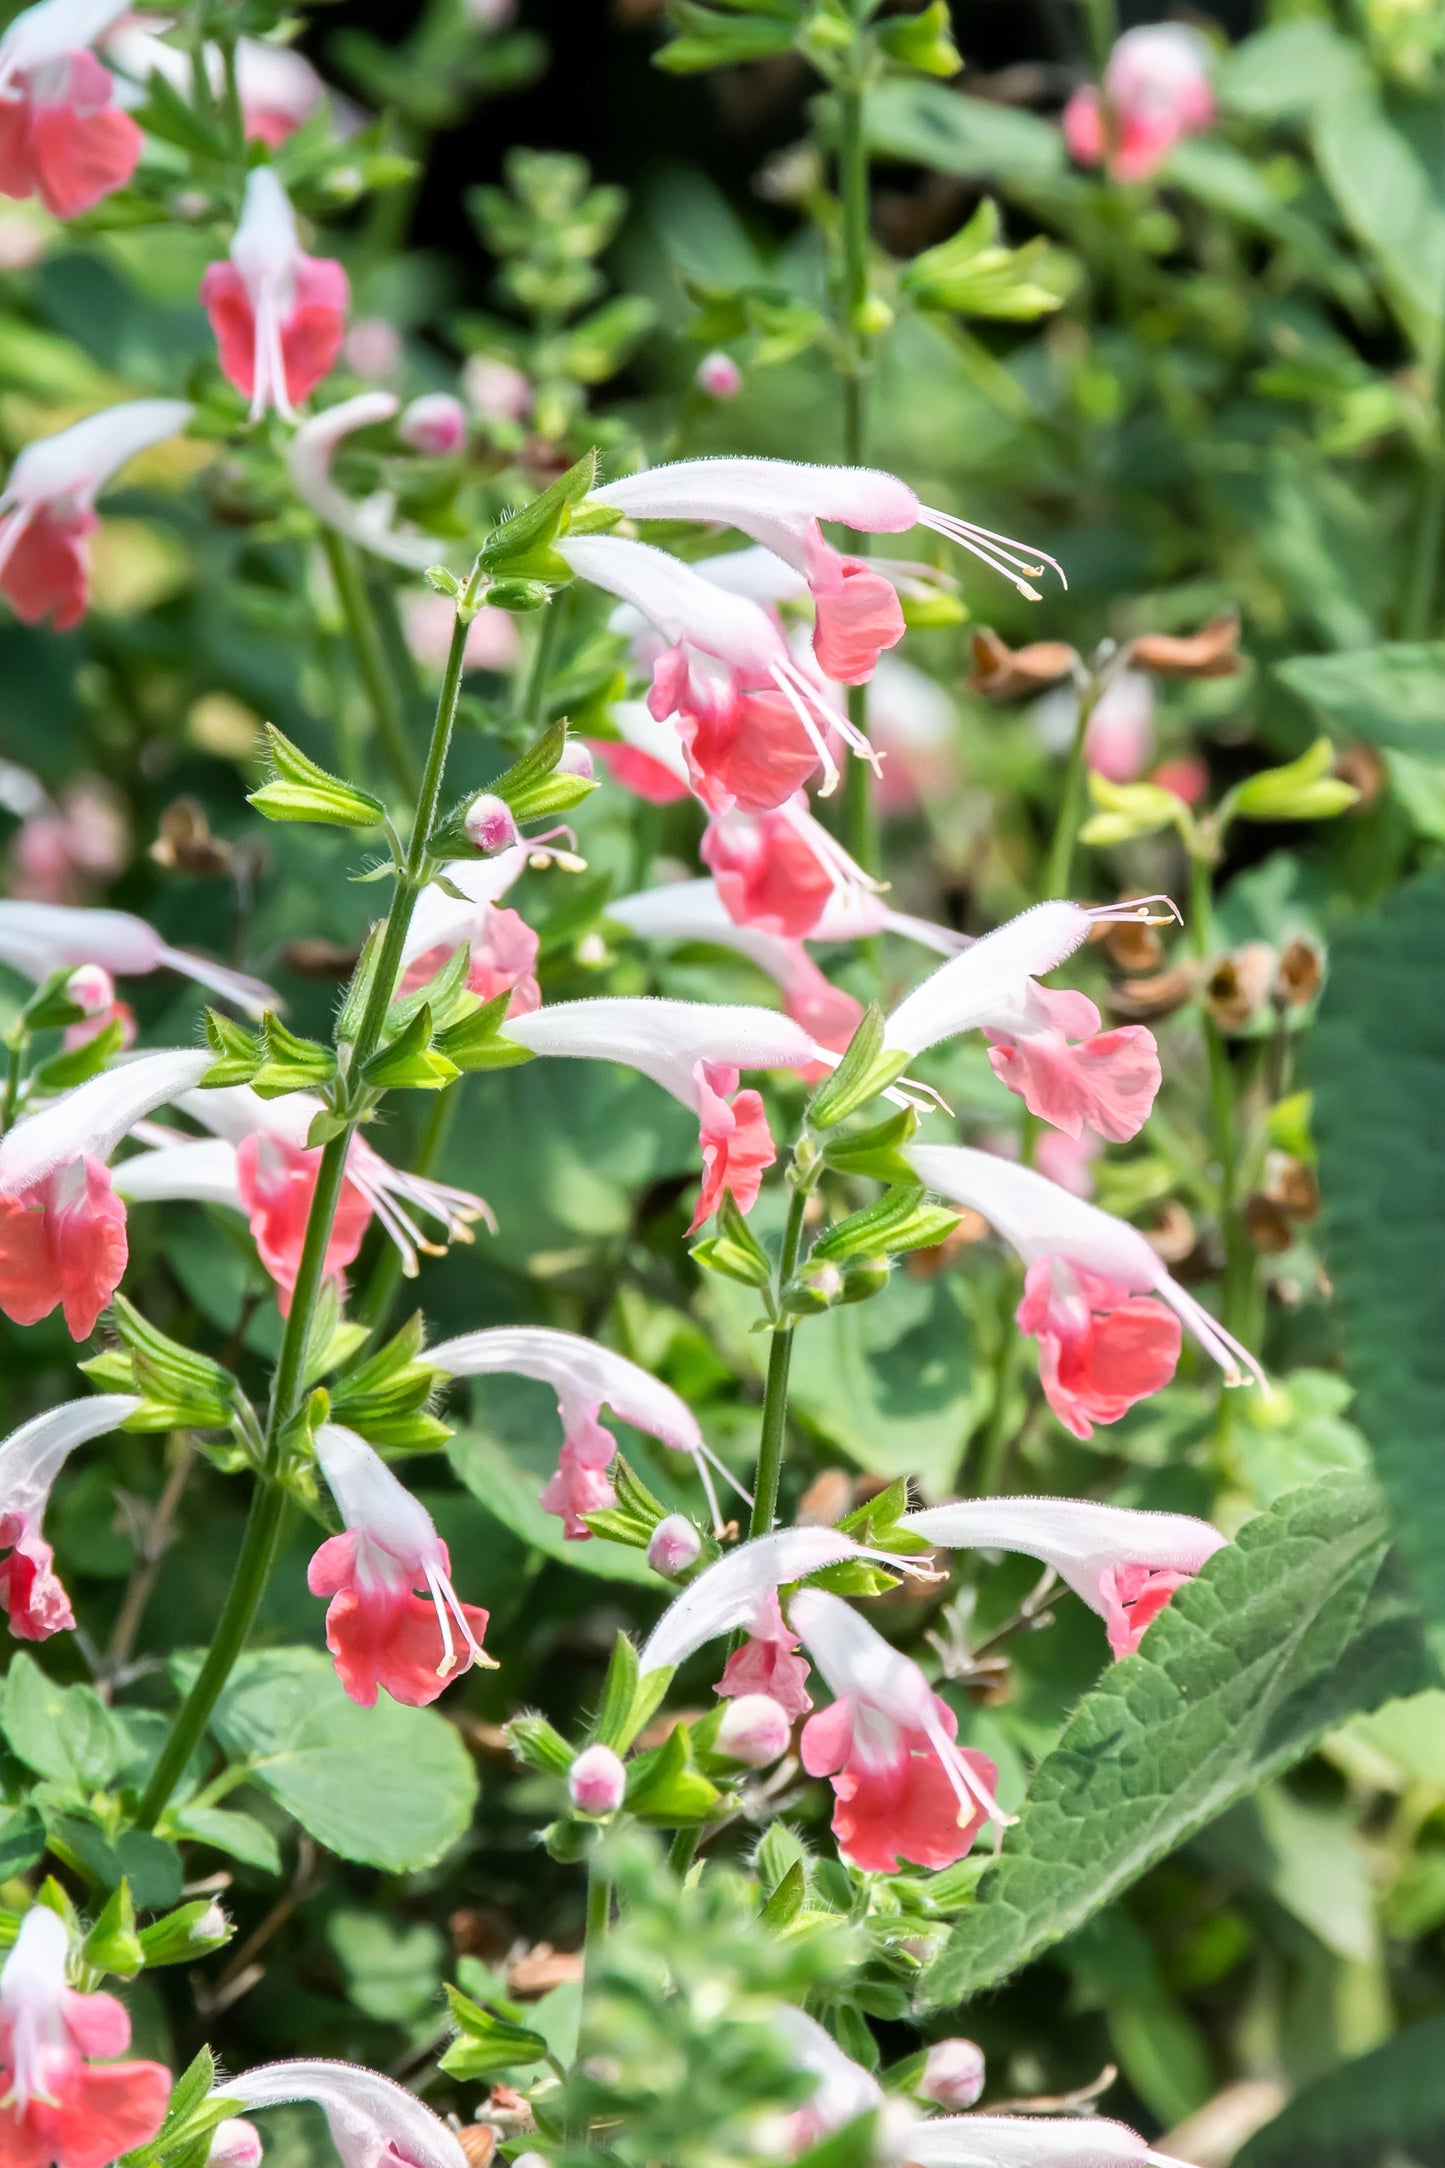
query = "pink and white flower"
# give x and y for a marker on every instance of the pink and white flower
(31, 1458)
(1125, 1564)
(597, 1781)
(953, 2073)
(753, 725)
(279, 89)
(374, 2122)
(843, 2090)
(379, 1631)
(780, 504)
(60, 2109)
(902, 1788)
(779, 870)
(62, 137)
(235, 2143)
(1156, 90)
(755, 1730)
(62, 1227)
(1047, 1046)
(695, 1050)
(742, 1587)
(647, 757)
(435, 424)
(38, 938)
(585, 1377)
(47, 508)
(279, 315)
(1030, 2141)
(369, 525)
(1090, 1291)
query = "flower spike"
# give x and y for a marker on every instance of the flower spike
(1103, 1346)
(30, 1460)
(380, 1633)
(1125, 1564)
(585, 1376)
(374, 2122)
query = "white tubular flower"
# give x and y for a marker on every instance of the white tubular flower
(843, 2089)
(199, 1172)
(585, 1377)
(89, 1122)
(1029, 2141)
(30, 1460)
(374, 2122)
(38, 938)
(743, 1587)
(52, 30)
(1125, 1564)
(308, 457)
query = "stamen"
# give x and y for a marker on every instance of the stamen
(1000, 552)
(844, 871)
(449, 1653)
(968, 1787)
(856, 740)
(706, 1455)
(815, 737)
(1135, 912)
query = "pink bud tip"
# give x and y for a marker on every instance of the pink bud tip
(675, 1545)
(374, 349)
(435, 425)
(234, 2144)
(576, 759)
(91, 988)
(953, 2074)
(497, 391)
(719, 376)
(489, 824)
(755, 1729)
(596, 1781)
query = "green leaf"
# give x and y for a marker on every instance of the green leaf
(707, 39)
(291, 1064)
(225, 1829)
(636, 1513)
(971, 138)
(22, 1842)
(1390, 696)
(239, 1053)
(521, 546)
(180, 1389)
(1303, 790)
(865, 1070)
(1378, 1069)
(486, 2044)
(923, 41)
(78, 1063)
(537, 1743)
(476, 1042)
(1297, 1625)
(390, 1787)
(734, 1250)
(113, 1944)
(1385, 192)
(409, 1061)
(664, 1787)
(150, 1865)
(300, 791)
(1387, 2105)
(876, 1151)
(63, 1732)
(974, 274)
(788, 1898)
(619, 1691)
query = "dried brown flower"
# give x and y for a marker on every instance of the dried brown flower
(1143, 999)
(1211, 652)
(1006, 673)
(1301, 968)
(185, 843)
(1239, 985)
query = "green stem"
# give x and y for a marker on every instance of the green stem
(1059, 871)
(993, 1440)
(599, 1908)
(232, 112)
(534, 699)
(775, 1393)
(371, 663)
(268, 1506)
(14, 1070)
(1102, 23)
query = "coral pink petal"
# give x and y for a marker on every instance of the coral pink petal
(36, 1604)
(228, 305)
(82, 157)
(18, 175)
(905, 1810)
(638, 772)
(276, 1181)
(1084, 127)
(576, 1488)
(854, 622)
(29, 1276)
(48, 572)
(827, 1739)
(90, 1247)
(391, 1638)
(767, 875)
(768, 1667)
(1133, 1597)
(312, 335)
(747, 751)
(106, 2112)
(737, 1149)
(333, 1566)
(98, 2024)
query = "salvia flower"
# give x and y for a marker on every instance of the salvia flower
(741, 1591)
(379, 1631)
(585, 1377)
(953, 2073)
(902, 1788)
(62, 1227)
(279, 315)
(503, 946)
(596, 1781)
(374, 2122)
(754, 726)
(647, 755)
(435, 424)
(30, 1460)
(59, 2107)
(38, 938)
(47, 507)
(1125, 1564)
(780, 504)
(1046, 1045)
(309, 456)
(674, 1546)
(755, 1730)
(779, 870)
(1029, 2141)
(1090, 1289)
(1156, 90)
(62, 137)
(695, 1050)
(235, 2143)
(273, 1176)
(842, 2089)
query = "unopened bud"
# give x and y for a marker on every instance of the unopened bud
(675, 1545)
(489, 824)
(519, 596)
(815, 1288)
(755, 1729)
(434, 424)
(953, 2074)
(497, 391)
(576, 760)
(596, 1781)
(719, 376)
(234, 2144)
(91, 988)
(864, 1278)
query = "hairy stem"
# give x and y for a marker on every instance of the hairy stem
(14, 1070)
(775, 1393)
(371, 663)
(269, 1502)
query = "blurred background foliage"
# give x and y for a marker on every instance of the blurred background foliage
(1231, 405)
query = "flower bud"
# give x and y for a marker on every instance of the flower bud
(91, 988)
(675, 1545)
(815, 1288)
(576, 760)
(719, 376)
(435, 424)
(952, 2074)
(374, 348)
(234, 2144)
(755, 1729)
(596, 1781)
(497, 391)
(489, 824)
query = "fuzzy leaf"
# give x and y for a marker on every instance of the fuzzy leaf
(300, 791)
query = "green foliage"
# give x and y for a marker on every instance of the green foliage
(301, 791)
(1392, 2100)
